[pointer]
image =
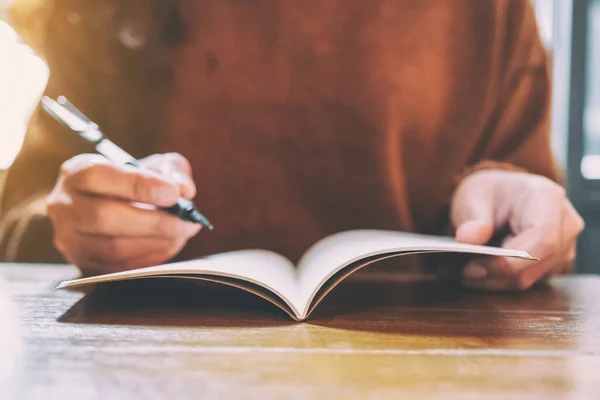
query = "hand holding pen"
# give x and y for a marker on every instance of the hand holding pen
(110, 215)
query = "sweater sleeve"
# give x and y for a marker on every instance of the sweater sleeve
(517, 134)
(25, 232)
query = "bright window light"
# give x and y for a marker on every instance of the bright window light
(544, 10)
(23, 78)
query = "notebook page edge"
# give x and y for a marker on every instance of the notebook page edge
(397, 252)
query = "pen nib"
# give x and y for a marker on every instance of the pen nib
(195, 216)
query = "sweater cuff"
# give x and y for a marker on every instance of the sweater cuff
(26, 234)
(487, 165)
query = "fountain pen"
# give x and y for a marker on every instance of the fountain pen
(65, 112)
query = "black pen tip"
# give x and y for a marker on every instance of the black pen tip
(198, 218)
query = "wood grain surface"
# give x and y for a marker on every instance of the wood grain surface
(398, 337)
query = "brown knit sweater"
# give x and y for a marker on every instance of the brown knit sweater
(300, 118)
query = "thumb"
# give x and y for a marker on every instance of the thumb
(473, 213)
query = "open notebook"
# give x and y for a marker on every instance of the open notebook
(298, 289)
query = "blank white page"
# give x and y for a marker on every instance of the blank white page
(261, 267)
(335, 252)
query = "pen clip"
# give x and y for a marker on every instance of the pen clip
(63, 101)
(69, 115)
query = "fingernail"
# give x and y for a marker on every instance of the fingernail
(474, 271)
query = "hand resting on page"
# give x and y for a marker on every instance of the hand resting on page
(536, 212)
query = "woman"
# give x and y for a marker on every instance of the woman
(299, 119)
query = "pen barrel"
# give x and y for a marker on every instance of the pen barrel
(182, 209)
(114, 153)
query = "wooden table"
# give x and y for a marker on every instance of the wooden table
(402, 338)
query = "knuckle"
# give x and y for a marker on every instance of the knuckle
(140, 189)
(88, 177)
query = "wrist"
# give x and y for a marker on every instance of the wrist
(487, 165)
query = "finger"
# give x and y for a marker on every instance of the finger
(175, 167)
(109, 217)
(501, 282)
(491, 284)
(116, 250)
(504, 267)
(573, 225)
(520, 273)
(171, 161)
(542, 210)
(539, 243)
(187, 187)
(100, 177)
(475, 232)
(473, 214)
(94, 266)
(98, 254)
(567, 265)
(573, 222)
(539, 224)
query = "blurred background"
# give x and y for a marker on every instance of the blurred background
(570, 30)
